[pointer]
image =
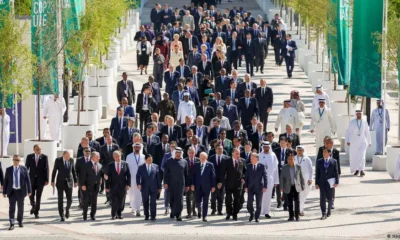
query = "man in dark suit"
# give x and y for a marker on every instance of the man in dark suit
(267, 34)
(84, 144)
(248, 147)
(38, 166)
(255, 185)
(218, 195)
(141, 33)
(166, 14)
(249, 48)
(190, 195)
(126, 89)
(232, 92)
(189, 43)
(118, 181)
(220, 63)
(186, 140)
(233, 48)
(194, 142)
(270, 138)
(92, 142)
(155, 89)
(205, 111)
(288, 53)
(218, 33)
(118, 123)
(127, 132)
(156, 17)
(247, 84)
(335, 154)
(197, 80)
(64, 168)
(184, 70)
(102, 140)
(203, 182)
(278, 37)
(151, 139)
(205, 66)
(129, 111)
(289, 134)
(222, 82)
(248, 107)
(1, 176)
(171, 78)
(265, 99)
(326, 179)
(201, 131)
(166, 107)
(106, 157)
(145, 106)
(173, 131)
(230, 110)
(17, 185)
(257, 137)
(261, 53)
(282, 153)
(252, 128)
(232, 173)
(148, 180)
(217, 102)
(90, 181)
(237, 132)
(186, 126)
(193, 91)
(79, 166)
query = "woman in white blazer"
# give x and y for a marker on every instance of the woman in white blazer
(143, 49)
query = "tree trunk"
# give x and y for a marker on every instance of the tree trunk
(2, 125)
(38, 109)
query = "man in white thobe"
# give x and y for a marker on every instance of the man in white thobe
(287, 116)
(6, 130)
(377, 126)
(186, 108)
(53, 110)
(322, 123)
(319, 94)
(134, 160)
(307, 171)
(358, 139)
(43, 122)
(270, 161)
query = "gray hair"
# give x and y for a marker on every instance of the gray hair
(117, 152)
(94, 154)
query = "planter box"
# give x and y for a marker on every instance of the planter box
(309, 58)
(72, 134)
(103, 91)
(340, 108)
(108, 72)
(112, 63)
(337, 95)
(317, 75)
(90, 117)
(95, 103)
(49, 148)
(392, 154)
(114, 56)
(317, 67)
(379, 163)
(302, 53)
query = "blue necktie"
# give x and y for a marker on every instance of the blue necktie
(16, 178)
(283, 156)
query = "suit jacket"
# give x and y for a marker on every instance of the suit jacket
(171, 82)
(118, 182)
(247, 113)
(285, 179)
(214, 133)
(185, 43)
(228, 93)
(129, 111)
(243, 86)
(295, 139)
(267, 35)
(160, 152)
(193, 58)
(264, 101)
(184, 128)
(249, 50)
(79, 166)
(204, 131)
(150, 183)
(218, 167)
(335, 154)
(155, 17)
(106, 157)
(262, 47)
(255, 140)
(165, 108)
(40, 172)
(151, 103)
(208, 70)
(230, 134)
(80, 150)
(186, 71)
(1, 175)
(176, 134)
(194, 96)
(208, 115)
(90, 178)
(176, 18)
(129, 88)
(322, 174)
(245, 156)
(177, 97)
(102, 141)
(166, 16)
(215, 35)
(228, 146)
(221, 86)
(278, 153)
(231, 176)
(191, 168)
(24, 181)
(155, 90)
(218, 65)
(256, 180)
(125, 137)
(204, 180)
(285, 51)
(249, 129)
(278, 41)
(63, 173)
(200, 149)
(153, 141)
(115, 127)
(214, 104)
(139, 34)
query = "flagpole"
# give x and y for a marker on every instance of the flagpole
(384, 67)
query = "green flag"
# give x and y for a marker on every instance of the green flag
(4, 11)
(343, 51)
(44, 45)
(5, 5)
(366, 60)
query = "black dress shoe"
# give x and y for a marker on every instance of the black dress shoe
(146, 218)
(333, 206)
(120, 217)
(179, 219)
(84, 218)
(67, 215)
(279, 206)
(189, 216)
(153, 219)
(297, 219)
(170, 216)
(112, 218)
(328, 214)
(213, 213)
(20, 225)
(291, 219)
(251, 217)
(356, 173)
(235, 218)
(32, 211)
(267, 216)
(257, 220)
(220, 213)
(362, 174)
(228, 217)
(36, 216)
(285, 208)
(204, 219)
(262, 72)
(107, 202)
(62, 219)
(194, 213)
(11, 227)
(323, 217)
(101, 192)
(199, 214)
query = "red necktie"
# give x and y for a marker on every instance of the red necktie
(218, 161)
(118, 169)
(191, 163)
(236, 164)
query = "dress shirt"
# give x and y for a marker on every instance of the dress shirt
(291, 170)
(17, 178)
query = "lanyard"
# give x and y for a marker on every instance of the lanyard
(321, 113)
(380, 112)
(137, 160)
(301, 160)
(295, 104)
(359, 125)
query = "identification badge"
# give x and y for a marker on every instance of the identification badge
(319, 121)
(359, 134)
(143, 49)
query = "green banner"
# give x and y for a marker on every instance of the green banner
(44, 46)
(343, 43)
(5, 5)
(366, 60)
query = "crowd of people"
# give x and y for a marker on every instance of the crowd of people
(204, 138)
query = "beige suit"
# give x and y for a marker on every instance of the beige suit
(188, 20)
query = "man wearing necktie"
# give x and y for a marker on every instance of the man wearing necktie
(326, 179)
(106, 156)
(249, 53)
(278, 37)
(218, 195)
(17, 185)
(261, 53)
(190, 195)
(66, 179)
(90, 181)
(79, 166)
(148, 181)
(288, 52)
(234, 44)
